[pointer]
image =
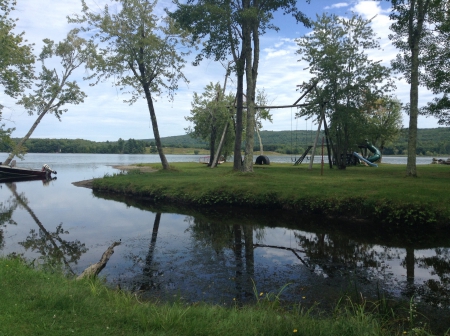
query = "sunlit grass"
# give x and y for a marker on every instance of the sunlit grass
(287, 184)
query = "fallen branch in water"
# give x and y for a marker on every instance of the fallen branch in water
(95, 269)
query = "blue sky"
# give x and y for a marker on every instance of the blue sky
(103, 116)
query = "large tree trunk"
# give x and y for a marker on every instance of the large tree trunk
(158, 144)
(251, 72)
(212, 141)
(413, 112)
(237, 164)
(25, 138)
(414, 36)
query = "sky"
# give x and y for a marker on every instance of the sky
(104, 116)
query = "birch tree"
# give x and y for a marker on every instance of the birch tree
(53, 89)
(138, 52)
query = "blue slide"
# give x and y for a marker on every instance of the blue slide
(365, 160)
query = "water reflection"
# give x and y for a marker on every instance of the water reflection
(216, 255)
(219, 253)
(52, 248)
(6, 210)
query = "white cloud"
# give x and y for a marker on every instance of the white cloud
(337, 5)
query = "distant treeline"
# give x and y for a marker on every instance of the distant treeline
(430, 141)
(120, 146)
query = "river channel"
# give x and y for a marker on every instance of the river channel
(219, 256)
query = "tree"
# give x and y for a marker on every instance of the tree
(209, 113)
(384, 122)
(53, 88)
(16, 61)
(234, 27)
(260, 115)
(348, 80)
(16, 58)
(436, 63)
(137, 51)
(410, 28)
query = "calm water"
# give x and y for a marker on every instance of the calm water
(209, 255)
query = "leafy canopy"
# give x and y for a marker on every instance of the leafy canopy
(136, 49)
(16, 57)
(53, 87)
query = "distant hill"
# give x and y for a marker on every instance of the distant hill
(431, 141)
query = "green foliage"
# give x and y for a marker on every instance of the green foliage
(130, 146)
(234, 28)
(210, 113)
(435, 61)
(348, 80)
(16, 57)
(413, 33)
(16, 61)
(53, 90)
(137, 51)
(384, 122)
(431, 142)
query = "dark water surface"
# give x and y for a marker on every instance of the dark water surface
(211, 255)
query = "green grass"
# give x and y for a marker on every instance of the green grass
(37, 302)
(382, 194)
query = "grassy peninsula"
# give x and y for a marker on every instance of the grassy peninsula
(382, 195)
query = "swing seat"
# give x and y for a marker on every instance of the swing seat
(262, 160)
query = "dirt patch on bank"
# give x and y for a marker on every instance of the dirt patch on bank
(84, 183)
(143, 169)
(89, 183)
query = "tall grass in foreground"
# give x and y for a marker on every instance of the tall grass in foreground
(41, 303)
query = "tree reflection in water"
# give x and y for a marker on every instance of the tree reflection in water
(6, 211)
(53, 249)
(437, 292)
(150, 272)
(217, 254)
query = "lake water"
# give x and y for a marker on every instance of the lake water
(211, 255)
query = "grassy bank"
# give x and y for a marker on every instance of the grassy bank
(41, 303)
(380, 194)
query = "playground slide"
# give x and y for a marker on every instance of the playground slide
(365, 160)
(376, 152)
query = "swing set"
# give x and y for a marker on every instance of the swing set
(329, 143)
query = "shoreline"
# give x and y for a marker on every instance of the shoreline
(90, 183)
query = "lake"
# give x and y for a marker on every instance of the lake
(219, 256)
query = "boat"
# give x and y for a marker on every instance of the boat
(12, 171)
